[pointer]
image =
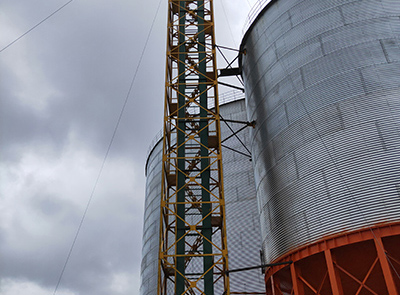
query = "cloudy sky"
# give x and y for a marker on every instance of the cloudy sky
(62, 88)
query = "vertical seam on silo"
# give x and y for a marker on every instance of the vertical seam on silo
(303, 81)
(381, 139)
(342, 125)
(363, 81)
(325, 183)
(385, 51)
(290, 18)
(286, 115)
(275, 50)
(342, 16)
(322, 45)
(296, 167)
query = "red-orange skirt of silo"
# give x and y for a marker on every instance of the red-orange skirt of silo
(362, 262)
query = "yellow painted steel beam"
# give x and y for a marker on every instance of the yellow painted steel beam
(193, 256)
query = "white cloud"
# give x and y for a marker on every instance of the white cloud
(125, 283)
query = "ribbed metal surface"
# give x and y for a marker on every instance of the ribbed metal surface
(151, 225)
(322, 82)
(243, 226)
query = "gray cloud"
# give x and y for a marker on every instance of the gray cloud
(62, 87)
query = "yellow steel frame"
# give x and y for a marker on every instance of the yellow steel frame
(193, 253)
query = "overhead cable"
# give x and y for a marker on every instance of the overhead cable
(35, 26)
(108, 150)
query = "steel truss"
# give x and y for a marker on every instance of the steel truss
(193, 252)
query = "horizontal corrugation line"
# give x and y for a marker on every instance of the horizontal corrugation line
(324, 89)
(317, 47)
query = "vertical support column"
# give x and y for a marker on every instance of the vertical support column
(205, 177)
(193, 251)
(387, 273)
(272, 285)
(181, 136)
(334, 277)
(297, 287)
(275, 284)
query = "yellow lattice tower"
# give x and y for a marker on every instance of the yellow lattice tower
(193, 251)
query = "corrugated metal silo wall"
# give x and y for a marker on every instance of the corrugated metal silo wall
(243, 227)
(151, 225)
(322, 82)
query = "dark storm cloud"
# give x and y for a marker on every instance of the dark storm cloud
(36, 240)
(89, 55)
(23, 128)
(62, 89)
(99, 252)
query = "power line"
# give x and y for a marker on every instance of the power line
(35, 26)
(108, 149)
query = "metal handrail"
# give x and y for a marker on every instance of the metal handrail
(254, 12)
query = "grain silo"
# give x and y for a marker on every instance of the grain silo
(322, 82)
(243, 226)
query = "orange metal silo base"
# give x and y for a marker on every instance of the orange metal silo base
(356, 263)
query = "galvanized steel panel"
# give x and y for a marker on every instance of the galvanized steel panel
(322, 81)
